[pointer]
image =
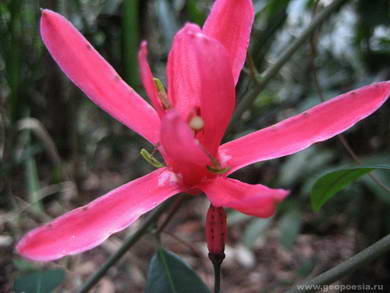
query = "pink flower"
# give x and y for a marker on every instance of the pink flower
(186, 126)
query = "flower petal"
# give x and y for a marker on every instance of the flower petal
(88, 226)
(181, 150)
(230, 22)
(201, 83)
(254, 200)
(95, 77)
(147, 78)
(301, 131)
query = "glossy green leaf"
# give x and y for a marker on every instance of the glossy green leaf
(332, 182)
(39, 282)
(168, 273)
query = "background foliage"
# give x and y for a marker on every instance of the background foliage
(58, 150)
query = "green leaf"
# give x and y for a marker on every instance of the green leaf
(39, 282)
(305, 268)
(168, 273)
(289, 228)
(332, 182)
(255, 230)
(23, 265)
(195, 14)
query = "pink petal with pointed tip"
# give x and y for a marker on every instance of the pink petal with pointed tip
(200, 83)
(230, 22)
(95, 77)
(88, 226)
(181, 150)
(254, 200)
(301, 131)
(147, 78)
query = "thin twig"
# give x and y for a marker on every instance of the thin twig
(129, 242)
(43, 193)
(175, 207)
(340, 137)
(253, 73)
(273, 70)
(341, 270)
(373, 177)
(185, 243)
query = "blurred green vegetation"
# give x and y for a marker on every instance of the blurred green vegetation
(58, 150)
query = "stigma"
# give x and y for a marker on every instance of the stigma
(196, 123)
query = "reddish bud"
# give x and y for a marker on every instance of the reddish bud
(216, 232)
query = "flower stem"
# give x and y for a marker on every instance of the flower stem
(272, 71)
(217, 259)
(129, 242)
(341, 270)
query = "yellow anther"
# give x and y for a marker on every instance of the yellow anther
(162, 94)
(196, 123)
(218, 170)
(148, 157)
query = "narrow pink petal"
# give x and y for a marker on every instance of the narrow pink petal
(147, 78)
(301, 131)
(95, 77)
(230, 22)
(181, 150)
(88, 226)
(200, 83)
(254, 200)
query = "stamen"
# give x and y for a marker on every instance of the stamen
(218, 169)
(162, 94)
(215, 164)
(148, 157)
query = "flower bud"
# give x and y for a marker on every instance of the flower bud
(216, 231)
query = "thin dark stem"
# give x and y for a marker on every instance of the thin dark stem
(273, 70)
(175, 207)
(217, 260)
(252, 68)
(129, 242)
(217, 278)
(185, 243)
(354, 156)
(341, 270)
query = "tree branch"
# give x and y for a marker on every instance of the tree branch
(336, 273)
